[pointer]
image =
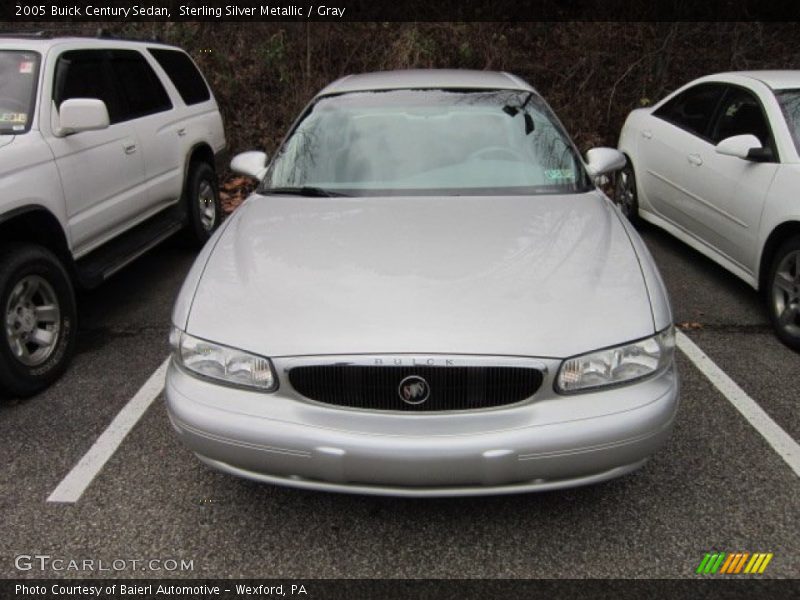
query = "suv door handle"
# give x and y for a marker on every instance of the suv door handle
(647, 134)
(695, 159)
(130, 148)
(182, 131)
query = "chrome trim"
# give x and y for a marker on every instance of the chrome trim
(287, 363)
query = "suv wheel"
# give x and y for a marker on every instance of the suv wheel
(784, 293)
(205, 209)
(625, 192)
(39, 319)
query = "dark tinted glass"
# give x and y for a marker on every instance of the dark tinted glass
(693, 109)
(181, 70)
(84, 74)
(138, 84)
(740, 114)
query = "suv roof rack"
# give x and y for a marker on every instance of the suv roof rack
(48, 34)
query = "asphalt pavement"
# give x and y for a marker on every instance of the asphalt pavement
(718, 485)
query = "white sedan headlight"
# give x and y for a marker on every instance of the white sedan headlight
(225, 364)
(615, 366)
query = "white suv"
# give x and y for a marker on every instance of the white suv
(107, 147)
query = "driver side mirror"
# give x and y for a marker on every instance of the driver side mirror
(746, 147)
(602, 161)
(253, 164)
(82, 114)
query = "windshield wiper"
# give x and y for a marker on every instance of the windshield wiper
(312, 192)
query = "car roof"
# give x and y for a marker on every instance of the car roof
(43, 44)
(775, 79)
(426, 79)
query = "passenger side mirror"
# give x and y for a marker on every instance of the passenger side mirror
(747, 147)
(82, 114)
(252, 163)
(601, 161)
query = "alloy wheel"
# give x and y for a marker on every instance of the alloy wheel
(33, 318)
(207, 205)
(786, 294)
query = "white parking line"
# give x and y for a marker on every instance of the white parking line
(781, 442)
(80, 477)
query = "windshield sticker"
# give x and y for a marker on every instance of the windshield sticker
(26, 66)
(14, 118)
(559, 173)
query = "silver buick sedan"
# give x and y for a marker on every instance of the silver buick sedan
(427, 295)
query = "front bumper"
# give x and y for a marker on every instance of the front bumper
(550, 443)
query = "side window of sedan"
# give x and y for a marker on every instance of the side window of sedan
(741, 114)
(694, 108)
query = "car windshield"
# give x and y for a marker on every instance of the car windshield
(424, 142)
(18, 75)
(790, 104)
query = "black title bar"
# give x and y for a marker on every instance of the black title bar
(399, 10)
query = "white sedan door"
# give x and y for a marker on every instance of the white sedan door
(671, 142)
(730, 192)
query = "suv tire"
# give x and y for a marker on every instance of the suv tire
(625, 195)
(39, 319)
(205, 209)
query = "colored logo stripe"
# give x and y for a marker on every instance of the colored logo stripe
(734, 563)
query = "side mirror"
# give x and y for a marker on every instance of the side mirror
(747, 147)
(82, 114)
(253, 164)
(601, 161)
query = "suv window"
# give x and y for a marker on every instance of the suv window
(181, 70)
(121, 78)
(693, 109)
(138, 84)
(84, 74)
(740, 113)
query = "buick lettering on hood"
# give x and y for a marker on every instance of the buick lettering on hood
(426, 295)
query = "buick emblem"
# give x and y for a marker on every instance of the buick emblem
(414, 390)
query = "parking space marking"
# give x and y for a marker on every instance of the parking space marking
(82, 474)
(781, 442)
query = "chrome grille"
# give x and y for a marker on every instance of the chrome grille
(377, 387)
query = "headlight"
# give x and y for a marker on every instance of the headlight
(222, 363)
(614, 366)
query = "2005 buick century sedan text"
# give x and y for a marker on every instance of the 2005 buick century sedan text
(426, 296)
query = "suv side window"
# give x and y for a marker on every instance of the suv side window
(138, 84)
(121, 78)
(84, 74)
(181, 70)
(694, 108)
(740, 113)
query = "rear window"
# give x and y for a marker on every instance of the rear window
(138, 84)
(181, 70)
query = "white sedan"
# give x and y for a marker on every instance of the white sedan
(717, 164)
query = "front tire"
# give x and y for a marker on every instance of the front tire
(625, 194)
(783, 293)
(39, 319)
(205, 209)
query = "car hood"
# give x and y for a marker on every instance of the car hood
(6, 139)
(548, 276)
